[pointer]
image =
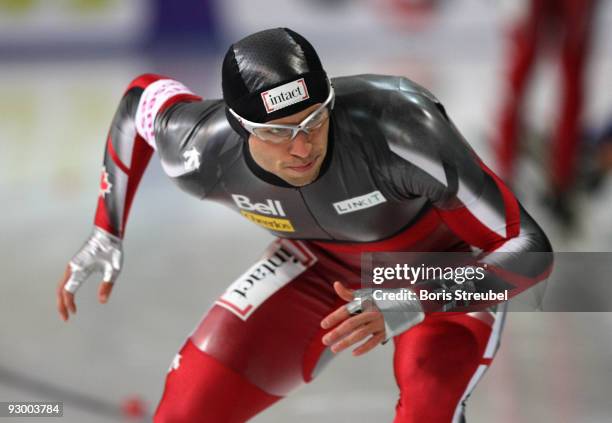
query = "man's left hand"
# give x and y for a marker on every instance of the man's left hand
(349, 329)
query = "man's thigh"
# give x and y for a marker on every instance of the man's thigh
(266, 326)
(260, 340)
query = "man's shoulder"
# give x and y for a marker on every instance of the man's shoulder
(192, 120)
(394, 114)
(380, 86)
(193, 129)
(389, 103)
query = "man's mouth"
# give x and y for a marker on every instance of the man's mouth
(305, 167)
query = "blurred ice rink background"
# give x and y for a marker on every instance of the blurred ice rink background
(63, 67)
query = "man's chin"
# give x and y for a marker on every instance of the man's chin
(302, 180)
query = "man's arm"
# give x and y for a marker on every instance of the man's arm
(429, 158)
(129, 146)
(471, 200)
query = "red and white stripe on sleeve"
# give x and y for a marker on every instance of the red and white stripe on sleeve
(156, 97)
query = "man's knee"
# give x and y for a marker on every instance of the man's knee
(201, 389)
(434, 350)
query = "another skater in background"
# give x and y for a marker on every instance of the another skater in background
(567, 25)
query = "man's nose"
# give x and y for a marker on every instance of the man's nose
(300, 146)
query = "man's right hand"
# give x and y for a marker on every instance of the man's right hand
(102, 252)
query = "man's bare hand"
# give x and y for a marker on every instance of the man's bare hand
(349, 330)
(65, 299)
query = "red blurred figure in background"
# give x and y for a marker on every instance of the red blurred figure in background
(566, 23)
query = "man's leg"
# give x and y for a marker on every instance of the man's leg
(260, 340)
(438, 362)
(199, 388)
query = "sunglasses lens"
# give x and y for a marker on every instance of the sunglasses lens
(275, 135)
(318, 119)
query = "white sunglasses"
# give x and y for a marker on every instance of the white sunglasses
(277, 134)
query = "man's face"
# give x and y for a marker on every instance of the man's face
(298, 161)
